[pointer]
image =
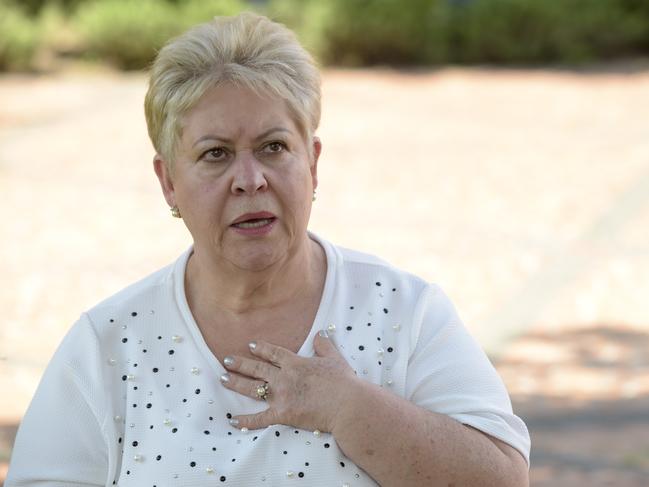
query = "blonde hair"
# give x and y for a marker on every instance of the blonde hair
(246, 49)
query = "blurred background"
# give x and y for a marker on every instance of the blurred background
(497, 147)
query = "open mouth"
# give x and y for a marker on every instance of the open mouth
(254, 223)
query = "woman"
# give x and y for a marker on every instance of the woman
(264, 355)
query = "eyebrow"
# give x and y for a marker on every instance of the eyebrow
(229, 141)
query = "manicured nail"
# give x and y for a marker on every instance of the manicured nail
(225, 378)
(228, 361)
(323, 333)
(234, 422)
(252, 345)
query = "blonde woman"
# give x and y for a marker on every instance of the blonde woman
(265, 355)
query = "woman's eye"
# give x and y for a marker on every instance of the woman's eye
(275, 147)
(216, 154)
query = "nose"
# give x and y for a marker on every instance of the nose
(248, 175)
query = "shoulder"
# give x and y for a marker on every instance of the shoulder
(113, 327)
(141, 297)
(368, 271)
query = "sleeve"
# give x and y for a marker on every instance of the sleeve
(61, 439)
(449, 373)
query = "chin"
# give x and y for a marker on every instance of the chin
(254, 260)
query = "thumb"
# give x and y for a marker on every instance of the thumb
(324, 346)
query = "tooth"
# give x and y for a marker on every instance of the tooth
(255, 224)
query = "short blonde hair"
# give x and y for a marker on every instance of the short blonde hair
(246, 49)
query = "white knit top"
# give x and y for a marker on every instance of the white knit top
(132, 396)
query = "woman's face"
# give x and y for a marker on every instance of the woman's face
(243, 178)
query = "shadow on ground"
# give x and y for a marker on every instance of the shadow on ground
(584, 394)
(600, 443)
(7, 435)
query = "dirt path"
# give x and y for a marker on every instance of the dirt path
(584, 395)
(525, 194)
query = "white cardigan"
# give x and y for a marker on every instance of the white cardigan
(132, 396)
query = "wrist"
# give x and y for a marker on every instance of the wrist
(354, 400)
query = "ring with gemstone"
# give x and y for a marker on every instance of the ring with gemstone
(263, 391)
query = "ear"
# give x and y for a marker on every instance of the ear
(317, 149)
(164, 176)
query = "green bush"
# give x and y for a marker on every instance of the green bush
(33, 8)
(524, 31)
(193, 12)
(19, 39)
(125, 32)
(308, 19)
(128, 33)
(368, 32)
(59, 37)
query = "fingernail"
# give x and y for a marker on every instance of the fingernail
(323, 333)
(234, 422)
(225, 378)
(228, 361)
(252, 345)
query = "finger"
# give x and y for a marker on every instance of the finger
(250, 367)
(241, 384)
(255, 421)
(275, 354)
(323, 345)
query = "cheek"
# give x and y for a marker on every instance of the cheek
(205, 199)
(295, 193)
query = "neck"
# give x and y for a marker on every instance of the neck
(215, 287)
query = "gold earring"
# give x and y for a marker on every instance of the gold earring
(175, 212)
(314, 196)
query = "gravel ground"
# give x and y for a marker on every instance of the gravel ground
(525, 194)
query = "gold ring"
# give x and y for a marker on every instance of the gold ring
(263, 391)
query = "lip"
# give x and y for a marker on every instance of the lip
(255, 232)
(253, 216)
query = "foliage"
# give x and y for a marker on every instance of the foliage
(524, 31)
(58, 35)
(384, 31)
(192, 12)
(366, 32)
(124, 32)
(19, 39)
(307, 18)
(33, 8)
(128, 33)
